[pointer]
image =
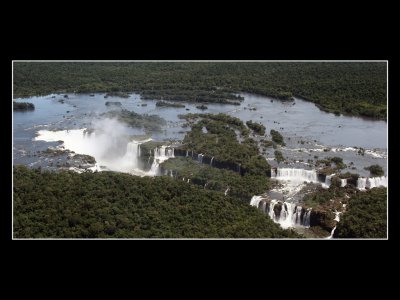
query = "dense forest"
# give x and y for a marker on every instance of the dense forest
(227, 140)
(117, 205)
(225, 181)
(358, 89)
(366, 216)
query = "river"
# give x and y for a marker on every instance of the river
(307, 130)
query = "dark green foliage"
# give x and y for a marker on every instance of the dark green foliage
(169, 104)
(279, 156)
(109, 103)
(116, 205)
(203, 107)
(257, 128)
(240, 187)
(267, 144)
(338, 162)
(322, 196)
(348, 88)
(220, 141)
(375, 170)
(277, 137)
(366, 216)
(117, 94)
(234, 122)
(23, 106)
(148, 122)
(145, 148)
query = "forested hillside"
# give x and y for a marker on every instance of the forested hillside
(349, 88)
(116, 205)
(366, 217)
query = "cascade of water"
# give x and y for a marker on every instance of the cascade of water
(187, 153)
(343, 182)
(154, 168)
(306, 217)
(161, 154)
(255, 200)
(297, 175)
(337, 216)
(328, 181)
(132, 153)
(200, 158)
(361, 183)
(332, 232)
(377, 181)
(212, 158)
(226, 191)
(289, 215)
(371, 182)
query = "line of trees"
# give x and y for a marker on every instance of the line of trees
(354, 88)
(117, 205)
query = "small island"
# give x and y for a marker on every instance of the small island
(203, 107)
(169, 104)
(117, 94)
(109, 103)
(23, 106)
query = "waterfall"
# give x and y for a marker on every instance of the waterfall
(343, 182)
(154, 168)
(306, 218)
(161, 154)
(337, 219)
(377, 181)
(212, 158)
(188, 180)
(297, 175)
(332, 232)
(187, 153)
(328, 181)
(132, 153)
(171, 174)
(287, 214)
(337, 215)
(255, 200)
(371, 182)
(226, 191)
(200, 158)
(361, 183)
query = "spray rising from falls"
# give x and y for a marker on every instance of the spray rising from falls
(286, 214)
(110, 143)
